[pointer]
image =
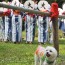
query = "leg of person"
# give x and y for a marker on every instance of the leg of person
(3, 28)
(45, 26)
(31, 29)
(6, 29)
(10, 29)
(20, 28)
(34, 24)
(27, 29)
(40, 29)
(13, 29)
(64, 28)
(17, 28)
(0, 28)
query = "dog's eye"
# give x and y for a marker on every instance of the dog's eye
(50, 51)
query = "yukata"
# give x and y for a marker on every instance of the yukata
(42, 29)
(50, 32)
(6, 12)
(43, 22)
(16, 26)
(60, 20)
(30, 28)
(63, 8)
(30, 22)
(1, 28)
(6, 28)
(10, 23)
(1, 25)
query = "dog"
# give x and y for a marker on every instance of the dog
(45, 56)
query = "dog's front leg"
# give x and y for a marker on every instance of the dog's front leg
(36, 60)
(54, 62)
(41, 61)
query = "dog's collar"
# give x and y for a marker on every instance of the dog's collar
(43, 58)
(49, 62)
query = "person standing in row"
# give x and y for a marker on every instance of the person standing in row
(6, 13)
(10, 22)
(30, 22)
(43, 21)
(1, 24)
(16, 23)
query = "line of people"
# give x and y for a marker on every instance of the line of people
(11, 22)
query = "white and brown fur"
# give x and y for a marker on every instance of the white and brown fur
(49, 52)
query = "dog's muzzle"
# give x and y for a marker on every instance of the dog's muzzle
(47, 54)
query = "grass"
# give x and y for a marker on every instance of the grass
(16, 54)
(23, 54)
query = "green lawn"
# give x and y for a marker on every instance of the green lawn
(23, 54)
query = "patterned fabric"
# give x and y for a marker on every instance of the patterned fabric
(10, 28)
(1, 29)
(6, 28)
(42, 29)
(16, 28)
(30, 28)
(62, 25)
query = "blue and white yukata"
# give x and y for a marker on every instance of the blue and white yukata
(51, 32)
(63, 7)
(10, 23)
(6, 28)
(10, 28)
(16, 27)
(42, 29)
(30, 28)
(30, 22)
(5, 24)
(43, 22)
(1, 25)
(1, 29)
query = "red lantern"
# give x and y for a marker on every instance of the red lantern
(54, 10)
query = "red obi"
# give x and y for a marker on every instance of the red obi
(7, 13)
(32, 15)
(54, 10)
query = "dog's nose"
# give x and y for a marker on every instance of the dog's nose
(47, 53)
